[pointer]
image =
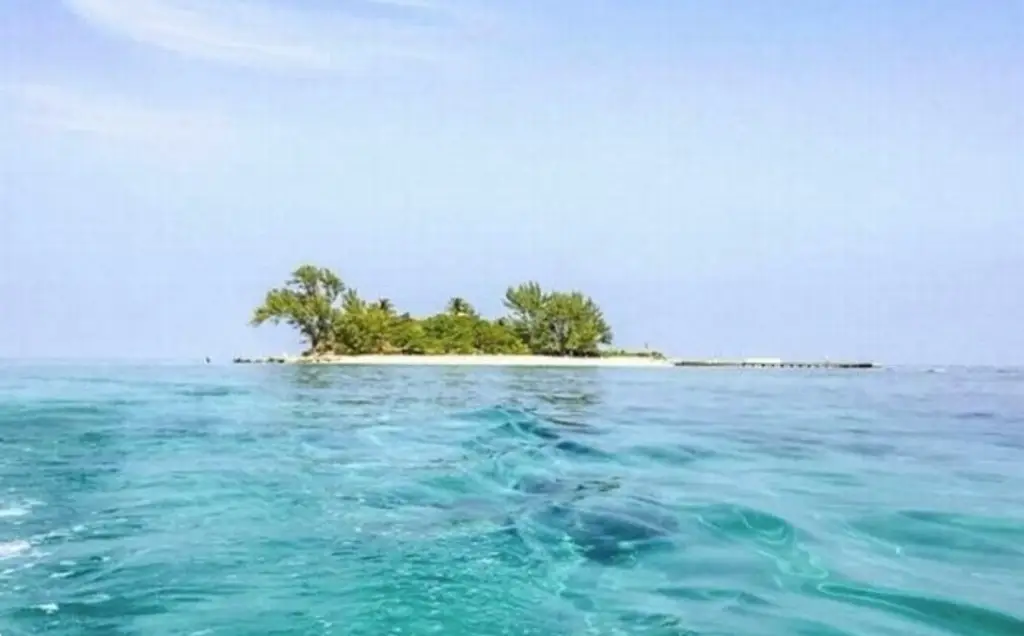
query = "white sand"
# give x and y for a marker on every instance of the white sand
(486, 361)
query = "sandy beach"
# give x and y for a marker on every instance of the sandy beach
(475, 361)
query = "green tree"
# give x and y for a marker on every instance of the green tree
(335, 318)
(409, 337)
(458, 306)
(525, 304)
(575, 324)
(556, 323)
(451, 333)
(496, 337)
(363, 327)
(306, 302)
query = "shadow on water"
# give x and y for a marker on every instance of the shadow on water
(595, 516)
(610, 530)
(524, 430)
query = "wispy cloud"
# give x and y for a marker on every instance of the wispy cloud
(54, 108)
(351, 36)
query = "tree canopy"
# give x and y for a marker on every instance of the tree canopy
(334, 318)
(306, 302)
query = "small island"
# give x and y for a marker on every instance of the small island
(542, 328)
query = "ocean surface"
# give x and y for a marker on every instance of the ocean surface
(224, 501)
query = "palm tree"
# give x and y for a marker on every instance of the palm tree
(458, 306)
(351, 303)
(385, 305)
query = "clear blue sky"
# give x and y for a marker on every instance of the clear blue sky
(796, 178)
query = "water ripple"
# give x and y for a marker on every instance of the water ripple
(278, 500)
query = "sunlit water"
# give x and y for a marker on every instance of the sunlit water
(284, 500)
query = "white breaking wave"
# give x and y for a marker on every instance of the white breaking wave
(13, 512)
(14, 548)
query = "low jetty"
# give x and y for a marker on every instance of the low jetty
(775, 363)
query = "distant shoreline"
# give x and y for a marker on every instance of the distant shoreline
(525, 360)
(453, 360)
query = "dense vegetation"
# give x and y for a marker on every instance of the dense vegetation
(333, 318)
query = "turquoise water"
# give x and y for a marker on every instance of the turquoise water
(290, 500)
